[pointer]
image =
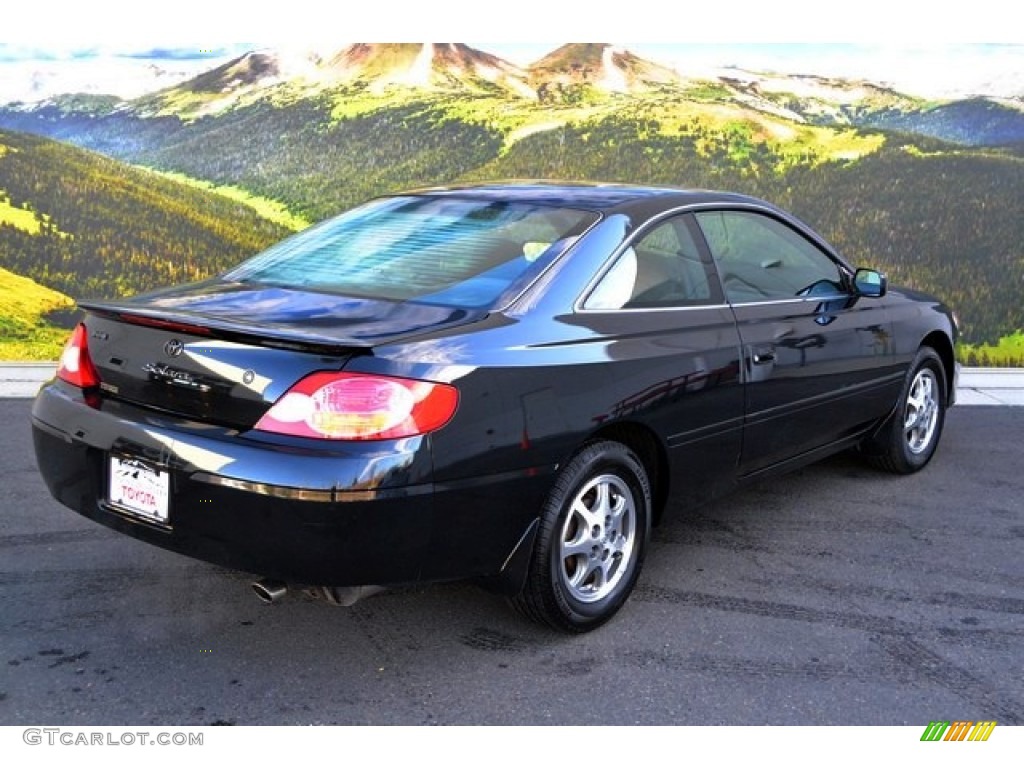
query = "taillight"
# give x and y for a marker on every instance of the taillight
(360, 406)
(75, 364)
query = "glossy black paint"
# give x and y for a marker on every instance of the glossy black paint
(707, 396)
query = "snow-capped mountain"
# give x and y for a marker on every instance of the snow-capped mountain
(601, 66)
(374, 67)
(425, 65)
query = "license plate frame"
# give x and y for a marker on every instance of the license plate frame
(139, 488)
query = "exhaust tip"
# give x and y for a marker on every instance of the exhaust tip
(269, 590)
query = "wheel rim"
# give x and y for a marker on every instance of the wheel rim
(922, 413)
(598, 538)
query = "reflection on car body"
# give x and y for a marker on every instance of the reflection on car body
(509, 383)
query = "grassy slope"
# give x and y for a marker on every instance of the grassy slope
(24, 332)
(19, 218)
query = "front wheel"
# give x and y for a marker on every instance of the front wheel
(907, 441)
(593, 536)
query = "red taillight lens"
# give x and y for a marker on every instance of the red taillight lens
(359, 406)
(75, 364)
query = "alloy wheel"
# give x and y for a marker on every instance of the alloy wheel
(922, 411)
(598, 538)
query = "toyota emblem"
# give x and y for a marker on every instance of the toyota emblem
(173, 348)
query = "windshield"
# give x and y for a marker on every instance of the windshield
(437, 250)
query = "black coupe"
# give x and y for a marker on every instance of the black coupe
(507, 382)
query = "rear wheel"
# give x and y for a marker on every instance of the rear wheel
(908, 440)
(593, 536)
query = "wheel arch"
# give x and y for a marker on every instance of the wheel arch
(643, 441)
(940, 342)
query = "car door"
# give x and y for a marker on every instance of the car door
(675, 354)
(815, 356)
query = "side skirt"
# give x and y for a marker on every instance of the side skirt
(810, 457)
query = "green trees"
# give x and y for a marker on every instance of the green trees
(107, 229)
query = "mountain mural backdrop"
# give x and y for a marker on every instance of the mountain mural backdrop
(180, 182)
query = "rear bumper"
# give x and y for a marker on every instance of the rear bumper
(335, 514)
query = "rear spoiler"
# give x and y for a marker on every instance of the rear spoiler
(198, 324)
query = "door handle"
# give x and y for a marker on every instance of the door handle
(763, 356)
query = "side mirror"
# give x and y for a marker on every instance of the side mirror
(870, 283)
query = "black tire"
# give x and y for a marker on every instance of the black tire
(593, 535)
(907, 441)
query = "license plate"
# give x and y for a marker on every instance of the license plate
(139, 488)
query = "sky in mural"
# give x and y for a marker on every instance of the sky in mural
(127, 48)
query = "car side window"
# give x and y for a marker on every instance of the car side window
(761, 259)
(662, 268)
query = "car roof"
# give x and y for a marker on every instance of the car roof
(595, 196)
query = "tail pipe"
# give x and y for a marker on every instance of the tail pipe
(272, 590)
(269, 590)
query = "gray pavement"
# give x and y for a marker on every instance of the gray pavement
(978, 386)
(834, 595)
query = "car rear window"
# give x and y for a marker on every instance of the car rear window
(437, 250)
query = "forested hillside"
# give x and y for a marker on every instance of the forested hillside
(319, 166)
(974, 122)
(86, 225)
(946, 221)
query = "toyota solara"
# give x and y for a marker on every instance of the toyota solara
(508, 383)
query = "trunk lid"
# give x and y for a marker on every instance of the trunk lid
(222, 353)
